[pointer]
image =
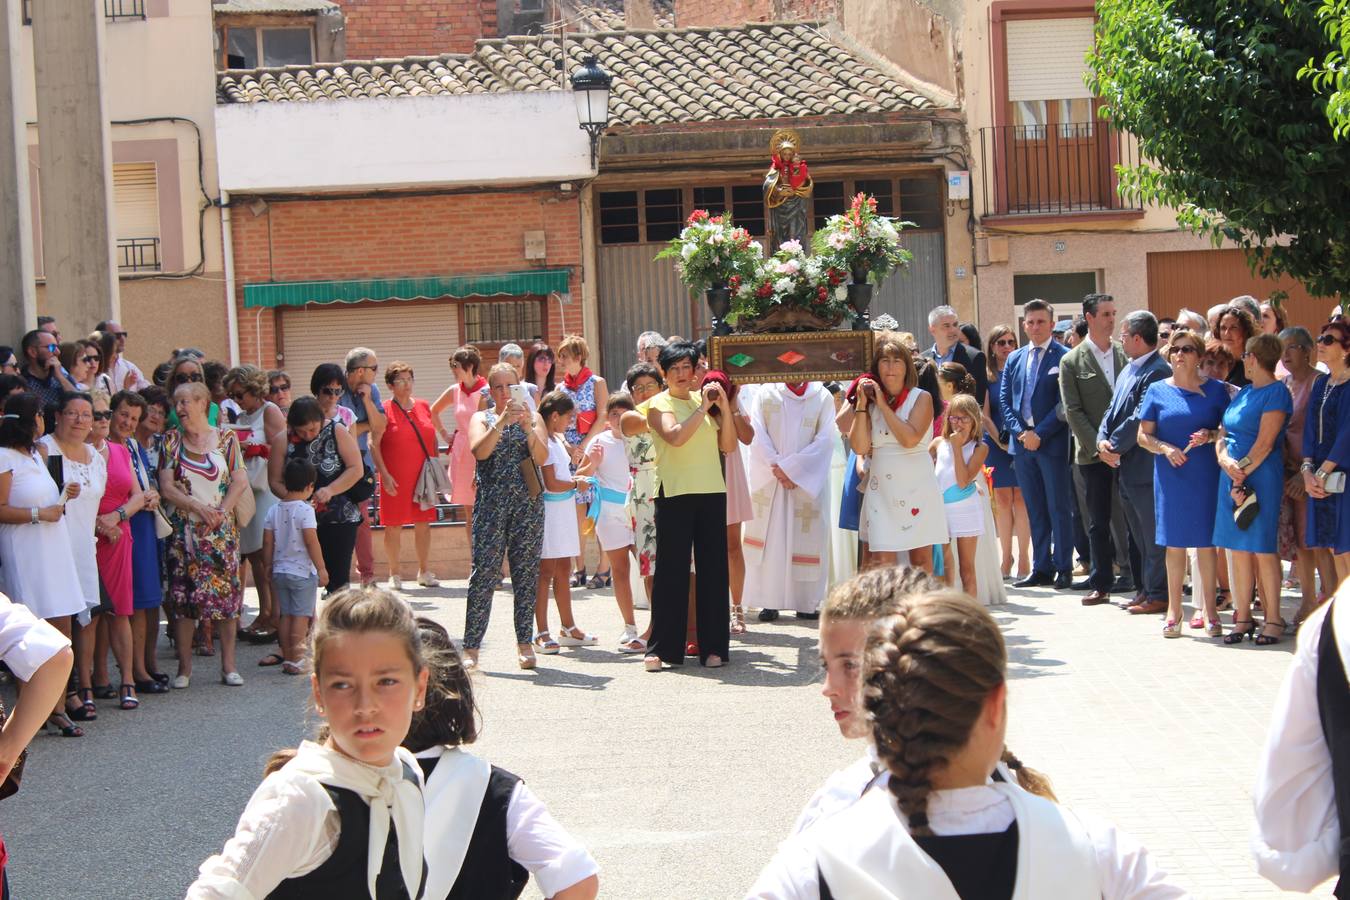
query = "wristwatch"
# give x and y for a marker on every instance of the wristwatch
(33, 515)
(121, 513)
(1307, 466)
(1244, 462)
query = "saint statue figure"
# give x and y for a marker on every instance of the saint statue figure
(786, 187)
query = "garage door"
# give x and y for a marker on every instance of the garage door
(423, 335)
(1198, 279)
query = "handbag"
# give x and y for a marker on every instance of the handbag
(246, 507)
(534, 481)
(10, 786)
(432, 480)
(163, 528)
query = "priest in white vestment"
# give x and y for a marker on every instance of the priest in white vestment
(787, 544)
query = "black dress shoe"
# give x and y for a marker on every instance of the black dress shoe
(809, 616)
(1064, 580)
(768, 615)
(1123, 585)
(1084, 585)
(1035, 579)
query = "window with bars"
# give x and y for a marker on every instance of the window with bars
(503, 321)
(619, 217)
(113, 10)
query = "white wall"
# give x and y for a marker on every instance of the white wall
(401, 142)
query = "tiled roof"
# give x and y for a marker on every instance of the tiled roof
(771, 71)
(272, 6)
(608, 15)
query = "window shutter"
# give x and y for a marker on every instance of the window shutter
(1046, 58)
(136, 200)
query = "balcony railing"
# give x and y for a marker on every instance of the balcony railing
(1053, 170)
(113, 10)
(138, 254)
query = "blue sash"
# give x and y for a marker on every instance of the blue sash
(600, 495)
(560, 496)
(956, 494)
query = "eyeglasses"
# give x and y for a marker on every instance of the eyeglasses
(184, 377)
(90, 360)
(371, 368)
(102, 415)
(279, 388)
(330, 392)
(1164, 335)
(120, 334)
(236, 396)
(962, 419)
(402, 381)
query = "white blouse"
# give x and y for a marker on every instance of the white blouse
(1297, 834)
(26, 642)
(840, 791)
(1124, 868)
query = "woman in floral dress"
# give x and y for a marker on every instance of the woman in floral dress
(202, 476)
(643, 382)
(589, 395)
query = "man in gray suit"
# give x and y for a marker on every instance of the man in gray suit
(1087, 378)
(1118, 447)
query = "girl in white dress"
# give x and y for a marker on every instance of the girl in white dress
(562, 540)
(936, 695)
(902, 506)
(959, 457)
(607, 462)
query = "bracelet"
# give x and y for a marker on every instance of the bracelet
(1321, 474)
(121, 513)
(33, 516)
(1307, 466)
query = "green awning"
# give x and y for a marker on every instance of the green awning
(510, 284)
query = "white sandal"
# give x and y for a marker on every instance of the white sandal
(545, 644)
(568, 637)
(629, 638)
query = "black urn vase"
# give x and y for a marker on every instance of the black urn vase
(719, 304)
(860, 299)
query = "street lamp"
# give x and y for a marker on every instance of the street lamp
(590, 89)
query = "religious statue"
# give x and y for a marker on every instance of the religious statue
(787, 185)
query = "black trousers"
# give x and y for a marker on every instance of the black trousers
(1099, 483)
(696, 522)
(336, 544)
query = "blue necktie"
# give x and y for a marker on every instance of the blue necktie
(1030, 385)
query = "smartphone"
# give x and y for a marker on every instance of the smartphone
(56, 468)
(520, 394)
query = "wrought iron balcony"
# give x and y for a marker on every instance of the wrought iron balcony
(138, 254)
(1054, 170)
(113, 10)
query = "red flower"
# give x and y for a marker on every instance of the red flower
(820, 294)
(765, 290)
(698, 215)
(735, 282)
(717, 220)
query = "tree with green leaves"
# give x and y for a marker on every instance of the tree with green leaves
(1231, 134)
(1331, 73)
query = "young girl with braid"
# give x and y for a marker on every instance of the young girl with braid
(935, 691)
(851, 608)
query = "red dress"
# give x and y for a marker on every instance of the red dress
(114, 560)
(403, 457)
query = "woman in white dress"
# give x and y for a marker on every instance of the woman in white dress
(902, 506)
(37, 567)
(936, 694)
(81, 465)
(959, 459)
(562, 539)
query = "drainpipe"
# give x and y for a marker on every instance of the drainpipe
(231, 311)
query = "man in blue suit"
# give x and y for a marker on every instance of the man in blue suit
(1038, 439)
(1118, 446)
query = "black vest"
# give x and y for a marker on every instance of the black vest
(979, 866)
(1333, 707)
(343, 875)
(488, 872)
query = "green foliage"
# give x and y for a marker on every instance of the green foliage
(1233, 136)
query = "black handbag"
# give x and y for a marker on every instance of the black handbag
(10, 786)
(364, 488)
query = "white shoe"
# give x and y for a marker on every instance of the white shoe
(426, 579)
(181, 681)
(630, 636)
(395, 583)
(575, 637)
(233, 679)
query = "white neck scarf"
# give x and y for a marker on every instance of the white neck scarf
(394, 794)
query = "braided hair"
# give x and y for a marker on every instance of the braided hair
(872, 594)
(931, 665)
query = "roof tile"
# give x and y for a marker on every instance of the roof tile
(660, 77)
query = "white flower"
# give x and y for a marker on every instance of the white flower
(841, 292)
(888, 230)
(790, 267)
(874, 229)
(717, 237)
(757, 248)
(813, 268)
(746, 289)
(784, 285)
(688, 250)
(837, 240)
(791, 246)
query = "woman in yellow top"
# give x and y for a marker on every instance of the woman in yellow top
(691, 512)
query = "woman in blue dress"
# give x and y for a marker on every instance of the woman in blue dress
(1178, 421)
(1010, 512)
(1249, 455)
(1326, 448)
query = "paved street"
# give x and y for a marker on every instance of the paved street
(680, 783)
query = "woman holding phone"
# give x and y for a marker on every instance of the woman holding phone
(1326, 449)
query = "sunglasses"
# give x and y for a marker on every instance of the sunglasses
(90, 360)
(330, 392)
(120, 334)
(1185, 348)
(1327, 340)
(52, 348)
(184, 378)
(1005, 342)
(237, 396)
(279, 388)
(1164, 335)
(102, 415)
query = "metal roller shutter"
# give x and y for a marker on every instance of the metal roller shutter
(136, 200)
(1046, 58)
(423, 335)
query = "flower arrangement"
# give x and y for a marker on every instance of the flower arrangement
(790, 280)
(862, 242)
(711, 251)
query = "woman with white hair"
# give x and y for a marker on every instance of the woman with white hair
(1193, 321)
(512, 355)
(649, 345)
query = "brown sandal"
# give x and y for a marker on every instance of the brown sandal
(737, 619)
